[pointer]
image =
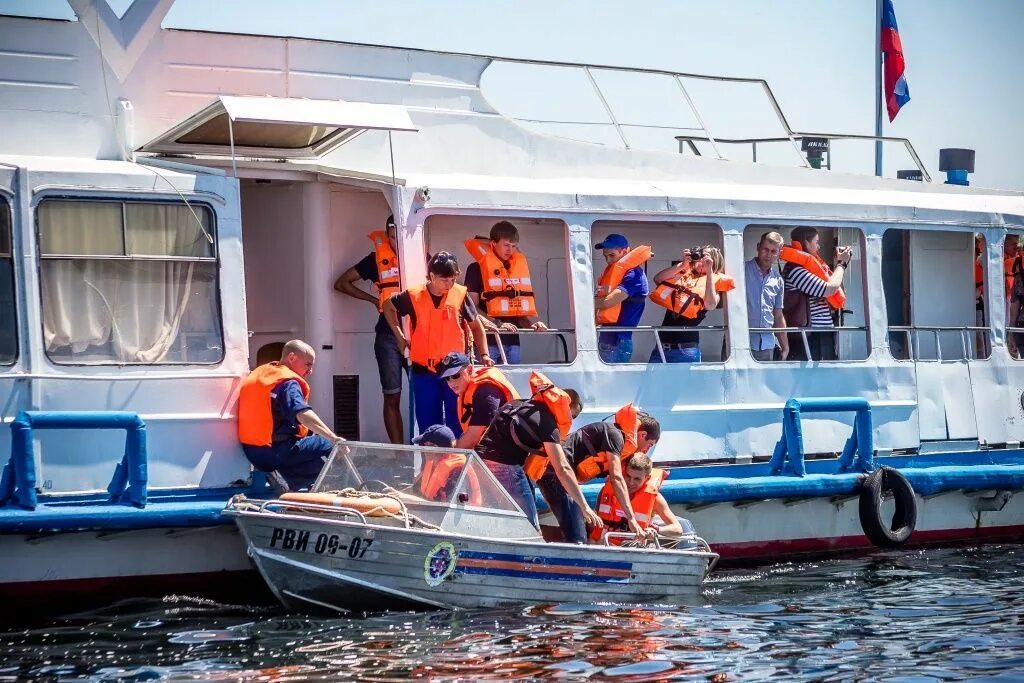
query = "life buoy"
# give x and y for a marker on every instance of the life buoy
(371, 507)
(882, 534)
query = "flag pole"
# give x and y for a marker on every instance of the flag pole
(878, 87)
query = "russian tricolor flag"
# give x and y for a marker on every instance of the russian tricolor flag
(896, 91)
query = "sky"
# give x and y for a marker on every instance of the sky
(965, 64)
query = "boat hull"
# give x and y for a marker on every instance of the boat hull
(375, 567)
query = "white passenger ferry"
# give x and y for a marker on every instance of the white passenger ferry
(175, 203)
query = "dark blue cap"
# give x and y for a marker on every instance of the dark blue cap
(452, 364)
(436, 435)
(613, 241)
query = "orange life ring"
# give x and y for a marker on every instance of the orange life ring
(372, 507)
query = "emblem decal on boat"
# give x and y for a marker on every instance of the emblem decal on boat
(439, 563)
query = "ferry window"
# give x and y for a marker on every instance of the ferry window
(532, 286)
(675, 312)
(8, 318)
(217, 132)
(823, 298)
(1013, 274)
(129, 282)
(935, 295)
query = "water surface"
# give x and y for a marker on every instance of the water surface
(912, 616)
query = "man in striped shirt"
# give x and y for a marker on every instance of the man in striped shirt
(805, 304)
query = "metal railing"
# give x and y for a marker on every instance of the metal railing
(687, 142)
(656, 330)
(965, 333)
(496, 335)
(804, 331)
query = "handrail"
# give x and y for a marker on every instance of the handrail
(858, 453)
(688, 140)
(657, 330)
(805, 330)
(18, 481)
(967, 349)
(529, 331)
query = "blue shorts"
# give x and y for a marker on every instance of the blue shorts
(389, 362)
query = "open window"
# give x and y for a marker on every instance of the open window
(936, 295)
(129, 282)
(8, 316)
(681, 319)
(509, 293)
(276, 127)
(824, 306)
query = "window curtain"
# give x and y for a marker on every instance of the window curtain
(132, 307)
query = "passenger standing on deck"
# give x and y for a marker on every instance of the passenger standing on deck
(436, 312)
(500, 285)
(643, 483)
(275, 420)
(765, 294)
(813, 292)
(1013, 270)
(688, 289)
(621, 293)
(380, 267)
(481, 392)
(528, 433)
(598, 450)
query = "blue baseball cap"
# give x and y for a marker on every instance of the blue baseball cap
(435, 435)
(613, 241)
(452, 364)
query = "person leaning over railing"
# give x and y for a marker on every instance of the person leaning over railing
(813, 291)
(688, 289)
(620, 296)
(765, 291)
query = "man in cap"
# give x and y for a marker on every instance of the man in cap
(436, 311)
(620, 297)
(380, 267)
(481, 391)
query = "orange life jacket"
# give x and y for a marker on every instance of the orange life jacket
(627, 421)
(438, 471)
(255, 415)
(438, 330)
(612, 278)
(796, 255)
(477, 378)
(642, 502)
(558, 402)
(682, 295)
(387, 267)
(1008, 272)
(508, 289)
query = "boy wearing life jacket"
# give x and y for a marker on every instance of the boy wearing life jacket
(621, 293)
(436, 311)
(275, 420)
(813, 292)
(500, 285)
(598, 450)
(647, 502)
(688, 289)
(380, 267)
(481, 391)
(529, 430)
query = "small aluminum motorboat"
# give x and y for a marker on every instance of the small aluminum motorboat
(371, 534)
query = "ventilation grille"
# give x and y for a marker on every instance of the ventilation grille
(346, 406)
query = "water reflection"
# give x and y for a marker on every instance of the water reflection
(919, 616)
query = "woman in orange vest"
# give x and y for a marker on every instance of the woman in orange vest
(275, 418)
(380, 267)
(524, 428)
(813, 292)
(500, 285)
(621, 293)
(598, 450)
(481, 391)
(689, 289)
(436, 312)
(647, 502)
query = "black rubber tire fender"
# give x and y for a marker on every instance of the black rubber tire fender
(879, 532)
